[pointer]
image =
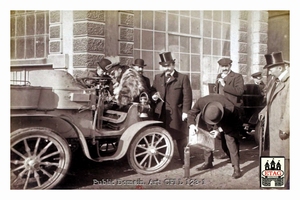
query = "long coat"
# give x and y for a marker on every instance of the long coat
(278, 117)
(234, 87)
(177, 96)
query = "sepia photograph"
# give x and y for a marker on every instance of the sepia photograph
(184, 98)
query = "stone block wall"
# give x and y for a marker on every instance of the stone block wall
(126, 36)
(88, 38)
(258, 42)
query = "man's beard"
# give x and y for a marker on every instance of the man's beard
(225, 71)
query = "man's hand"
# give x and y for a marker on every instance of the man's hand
(156, 96)
(221, 81)
(283, 135)
(261, 116)
(184, 116)
(214, 133)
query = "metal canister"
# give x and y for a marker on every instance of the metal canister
(186, 165)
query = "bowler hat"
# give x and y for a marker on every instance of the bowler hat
(104, 63)
(139, 62)
(256, 74)
(166, 59)
(274, 59)
(113, 66)
(213, 112)
(224, 61)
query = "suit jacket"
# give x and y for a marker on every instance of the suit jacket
(147, 82)
(230, 122)
(177, 96)
(146, 85)
(278, 117)
(234, 87)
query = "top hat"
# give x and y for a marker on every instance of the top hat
(224, 61)
(256, 74)
(166, 59)
(213, 112)
(274, 59)
(139, 62)
(104, 63)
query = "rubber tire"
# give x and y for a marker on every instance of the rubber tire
(163, 161)
(60, 144)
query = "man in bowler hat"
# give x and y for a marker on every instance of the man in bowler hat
(276, 114)
(217, 115)
(172, 97)
(139, 65)
(231, 85)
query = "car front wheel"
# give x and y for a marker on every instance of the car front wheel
(151, 150)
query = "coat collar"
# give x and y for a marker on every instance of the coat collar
(281, 85)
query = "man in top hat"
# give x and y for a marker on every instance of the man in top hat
(217, 115)
(277, 111)
(172, 96)
(231, 85)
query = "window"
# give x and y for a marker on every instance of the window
(29, 34)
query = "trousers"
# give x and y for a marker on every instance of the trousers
(231, 148)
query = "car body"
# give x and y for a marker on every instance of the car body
(52, 115)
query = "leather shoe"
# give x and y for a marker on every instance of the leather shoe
(222, 156)
(236, 174)
(205, 166)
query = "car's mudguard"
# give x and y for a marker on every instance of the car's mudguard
(127, 137)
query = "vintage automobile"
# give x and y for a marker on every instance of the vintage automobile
(253, 102)
(52, 115)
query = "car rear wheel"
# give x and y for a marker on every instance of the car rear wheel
(40, 158)
(151, 150)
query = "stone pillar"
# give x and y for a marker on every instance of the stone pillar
(57, 57)
(234, 40)
(88, 39)
(248, 41)
(239, 37)
(258, 32)
(126, 37)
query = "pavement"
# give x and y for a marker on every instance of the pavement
(88, 175)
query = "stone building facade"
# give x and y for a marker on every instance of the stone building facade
(76, 40)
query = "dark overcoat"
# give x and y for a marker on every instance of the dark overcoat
(234, 87)
(177, 96)
(230, 122)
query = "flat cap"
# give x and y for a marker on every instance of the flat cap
(256, 74)
(224, 61)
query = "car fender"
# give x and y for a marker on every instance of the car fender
(127, 137)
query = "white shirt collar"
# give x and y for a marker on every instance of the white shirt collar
(280, 77)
